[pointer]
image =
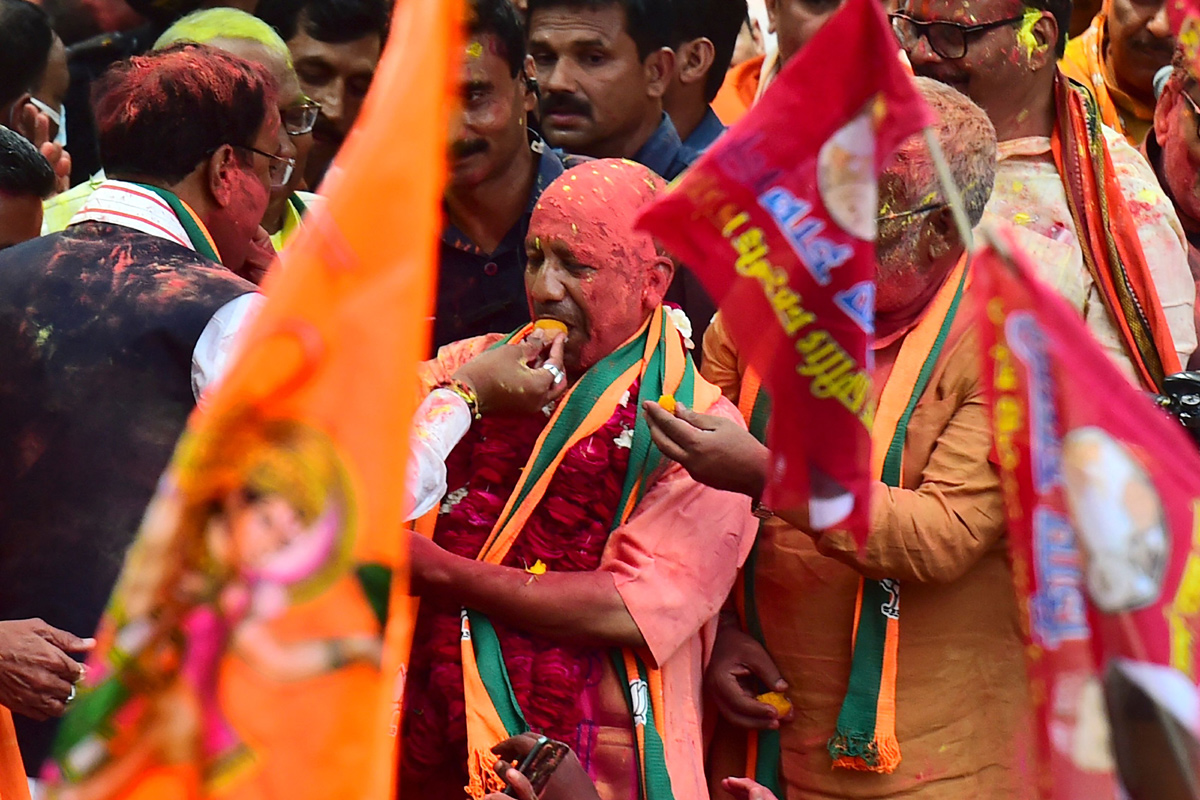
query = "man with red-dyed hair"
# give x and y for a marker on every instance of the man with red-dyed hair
(111, 329)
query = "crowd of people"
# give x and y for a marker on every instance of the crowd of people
(650, 612)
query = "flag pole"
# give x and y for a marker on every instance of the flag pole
(950, 188)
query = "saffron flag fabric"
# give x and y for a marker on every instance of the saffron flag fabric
(247, 651)
(778, 221)
(1102, 493)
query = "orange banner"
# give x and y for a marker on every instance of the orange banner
(247, 651)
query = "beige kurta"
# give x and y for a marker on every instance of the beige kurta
(961, 696)
(1029, 196)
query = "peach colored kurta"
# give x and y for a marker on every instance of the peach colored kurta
(673, 564)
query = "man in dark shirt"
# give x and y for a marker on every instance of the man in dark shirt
(498, 170)
(703, 38)
(603, 68)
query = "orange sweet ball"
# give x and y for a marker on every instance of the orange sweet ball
(667, 401)
(550, 326)
(778, 700)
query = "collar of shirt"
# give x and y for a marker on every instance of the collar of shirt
(664, 152)
(1025, 146)
(706, 133)
(131, 206)
(549, 167)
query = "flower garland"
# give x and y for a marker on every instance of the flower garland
(567, 532)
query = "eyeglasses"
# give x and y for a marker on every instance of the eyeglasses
(300, 118)
(948, 39)
(280, 167)
(925, 209)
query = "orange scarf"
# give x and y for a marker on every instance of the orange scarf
(1108, 234)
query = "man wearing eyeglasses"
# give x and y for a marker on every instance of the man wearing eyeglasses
(1084, 204)
(250, 38)
(112, 329)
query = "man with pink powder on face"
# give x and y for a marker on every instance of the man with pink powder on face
(614, 559)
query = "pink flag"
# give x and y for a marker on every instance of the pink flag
(1102, 492)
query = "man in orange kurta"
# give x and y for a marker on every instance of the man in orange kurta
(960, 690)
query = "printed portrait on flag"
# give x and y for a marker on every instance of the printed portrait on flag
(265, 532)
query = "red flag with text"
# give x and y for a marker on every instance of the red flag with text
(1102, 493)
(778, 221)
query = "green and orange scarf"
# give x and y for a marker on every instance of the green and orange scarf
(656, 357)
(865, 738)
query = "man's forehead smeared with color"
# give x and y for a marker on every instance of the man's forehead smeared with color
(592, 207)
(587, 265)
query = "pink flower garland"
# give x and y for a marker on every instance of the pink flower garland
(567, 532)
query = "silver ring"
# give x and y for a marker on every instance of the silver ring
(555, 371)
(70, 697)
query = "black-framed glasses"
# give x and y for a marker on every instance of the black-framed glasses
(925, 209)
(280, 167)
(947, 39)
(300, 118)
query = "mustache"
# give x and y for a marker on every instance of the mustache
(946, 76)
(563, 103)
(464, 148)
(1151, 45)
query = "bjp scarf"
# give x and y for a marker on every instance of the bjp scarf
(865, 738)
(1084, 62)
(1107, 231)
(151, 210)
(655, 357)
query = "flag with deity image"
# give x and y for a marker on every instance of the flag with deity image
(778, 221)
(1102, 495)
(255, 642)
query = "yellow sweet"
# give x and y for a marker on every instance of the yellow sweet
(778, 700)
(667, 401)
(550, 326)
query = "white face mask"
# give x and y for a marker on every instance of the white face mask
(58, 117)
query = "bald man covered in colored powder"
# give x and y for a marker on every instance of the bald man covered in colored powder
(612, 562)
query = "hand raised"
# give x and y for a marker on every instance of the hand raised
(517, 379)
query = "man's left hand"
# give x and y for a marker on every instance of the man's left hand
(259, 257)
(34, 125)
(569, 782)
(714, 450)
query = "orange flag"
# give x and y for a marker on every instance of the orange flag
(247, 651)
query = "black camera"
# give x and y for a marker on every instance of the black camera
(1181, 398)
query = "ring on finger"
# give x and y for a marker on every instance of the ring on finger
(70, 697)
(554, 371)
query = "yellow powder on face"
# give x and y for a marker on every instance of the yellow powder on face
(475, 50)
(1025, 36)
